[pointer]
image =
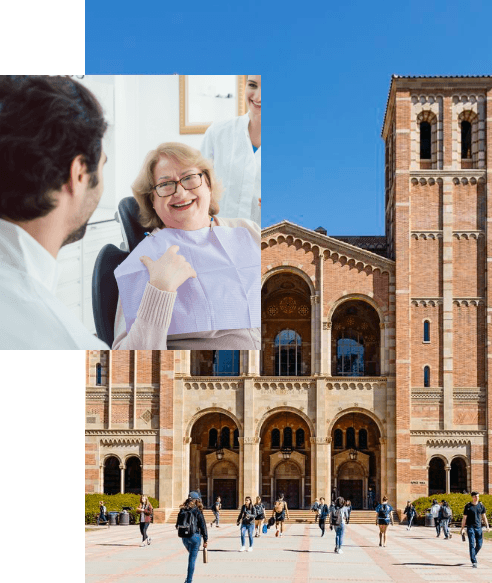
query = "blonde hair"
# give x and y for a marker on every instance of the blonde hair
(258, 500)
(143, 187)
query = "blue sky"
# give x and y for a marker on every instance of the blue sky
(326, 74)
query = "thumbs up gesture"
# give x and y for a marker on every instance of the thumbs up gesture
(169, 271)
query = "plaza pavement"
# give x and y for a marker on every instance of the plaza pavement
(301, 556)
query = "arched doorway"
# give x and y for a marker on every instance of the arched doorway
(437, 476)
(133, 476)
(458, 476)
(356, 458)
(355, 340)
(214, 436)
(291, 476)
(224, 483)
(288, 483)
(112, 474)
(286, 325)
(351, 479)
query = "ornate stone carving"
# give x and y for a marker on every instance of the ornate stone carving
(119, 441)
(447, 442)
(468, 235)
(293, 386)
(468, 302)
(426, 302)
(147, 416)
(251, 440)
(432, 235)
(186, 439)
(366, 384)
(121, 432)
(213, 384)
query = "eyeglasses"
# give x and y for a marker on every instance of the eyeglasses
(169, 187)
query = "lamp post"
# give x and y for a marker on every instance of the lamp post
(353, 452)
(219, 452)
(285, 450)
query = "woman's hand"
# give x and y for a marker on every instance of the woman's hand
(205, 545)
(169, 271)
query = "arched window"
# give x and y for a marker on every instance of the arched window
(437, 476)
(458, 476)
(236, 439)
(225, 438)
(425, 141)
(98, 374)
(133, 476)
(362, 439)
(427, 331)
(466, 140)
(212, 438)
(338, 439)
(300, 439)
(225, 363)
(350, 437)
(112, 480)
(275, 438)
(427, 374)
(288, 353)
(287, 437)
(350, 356)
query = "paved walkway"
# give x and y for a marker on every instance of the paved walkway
(300, 556)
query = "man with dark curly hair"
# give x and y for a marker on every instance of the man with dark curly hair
(51, 164)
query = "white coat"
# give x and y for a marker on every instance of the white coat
(228, 144)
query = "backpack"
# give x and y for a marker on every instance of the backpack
(383, 512)
(447, 512)
(336, 517)
(187, 523)
(323, 511)
(279, 507)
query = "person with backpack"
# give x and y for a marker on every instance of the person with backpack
(435, 509)
(338, 519)
(191, 528)
(260, 516)
(445, 515)
(315, 509)
(102, 516)
(383, 517)
(247, 517)
(323, 512)
(216, 506)
(280, 511)
(348, 504)
(145, 509)
(410, 513)
(474, 514)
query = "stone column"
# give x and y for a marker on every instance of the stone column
(250, 460)
(303, 485)
(253, 363)
(241, 471)
(315, 335)
(134, 408)
(209, 491)
(384, 478)
(326, 355)
(101, 479)
(122, 478)
(328, 467)
(448, 479)
(382, 349)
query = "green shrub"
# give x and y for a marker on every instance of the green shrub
(114, 503)
(457, 503)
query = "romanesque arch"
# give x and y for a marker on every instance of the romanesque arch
(112, 482)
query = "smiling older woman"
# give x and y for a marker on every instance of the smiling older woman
(177, 190)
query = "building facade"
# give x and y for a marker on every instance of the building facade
(373, 373)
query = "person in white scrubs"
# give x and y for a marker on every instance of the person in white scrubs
(235, 148)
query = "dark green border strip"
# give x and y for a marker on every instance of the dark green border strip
(43, 38)
(43, 468)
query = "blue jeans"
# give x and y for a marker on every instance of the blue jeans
(475, 540)
(445, 526)
(192, 545)
(437, 524)
(339, 530)
(216, 514)
(250, 528)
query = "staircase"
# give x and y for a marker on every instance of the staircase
(296, 516)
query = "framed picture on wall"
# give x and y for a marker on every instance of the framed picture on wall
(204, 99)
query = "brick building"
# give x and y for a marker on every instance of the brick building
(373, 369)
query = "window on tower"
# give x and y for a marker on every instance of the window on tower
(427, 372)
(427, 336)
(98, 374)
(466, 140)
(425, 141)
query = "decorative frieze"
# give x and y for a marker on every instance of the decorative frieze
(275, 387)
(212, 384)
(121, 432)
(427, 393)
(120, 442)
(426, 302)
(426, 235)
(469, 302)
(368, 384)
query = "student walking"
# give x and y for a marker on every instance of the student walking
(383, 517)
(102, 517)
(280, 512)
(323, 513)
(216, 506)
(260, 516)
(410, 513)
(435, 509)
(474, 514)
(191, 528)
(145, 509)
(445, 515)
(338, 519)
(247, 519)
(315, 509)
(348, 504)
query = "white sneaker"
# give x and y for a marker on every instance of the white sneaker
(242, 549)
(340, 552)
(149, 540)
(143, 544)
(250, 549)
(281, 534)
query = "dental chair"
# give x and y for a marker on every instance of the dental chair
(133, 232)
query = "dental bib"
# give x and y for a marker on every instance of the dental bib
(225, 295)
